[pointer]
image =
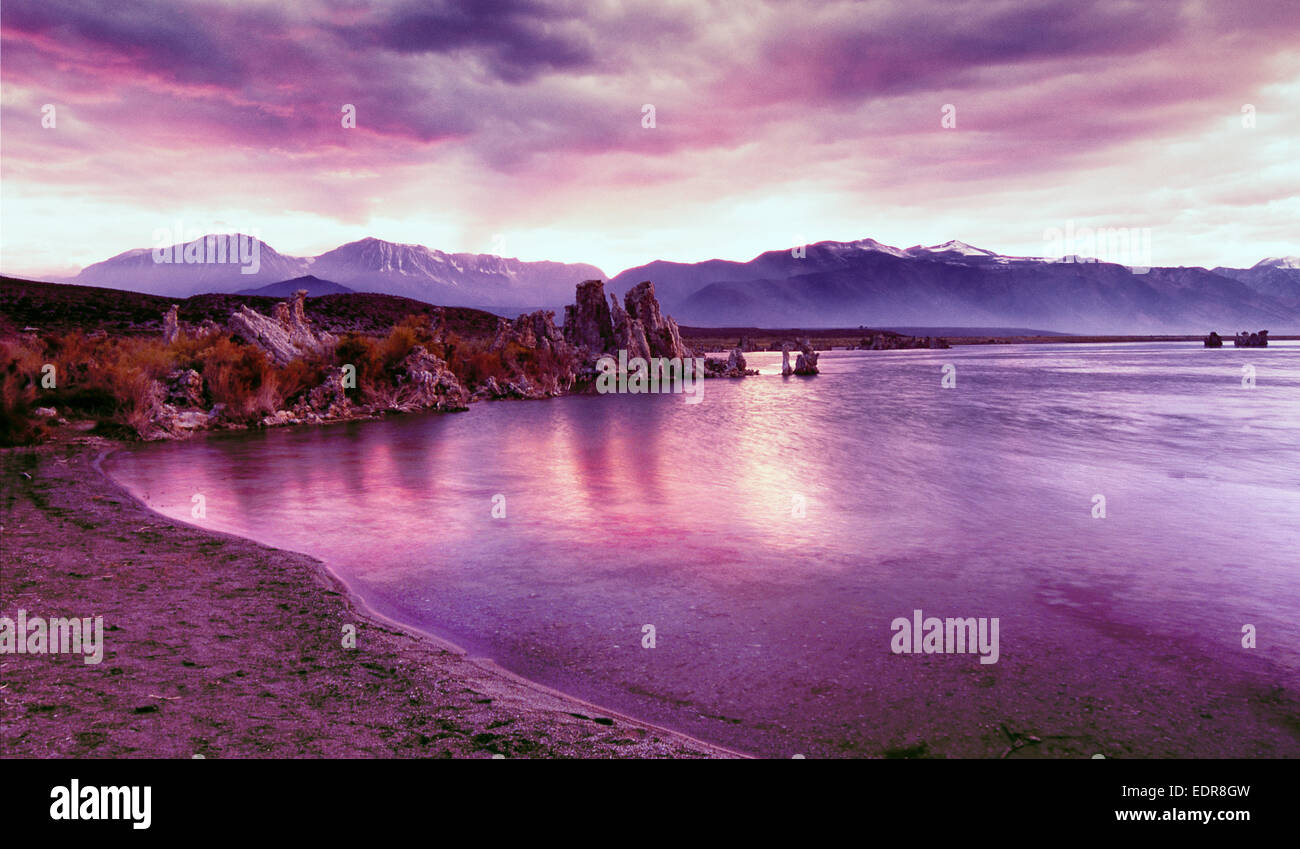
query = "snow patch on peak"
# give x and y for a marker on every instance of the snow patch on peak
(859, 245)
(1279, 262)
(953, 246)
(878, 247)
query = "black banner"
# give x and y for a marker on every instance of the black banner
(302, 798)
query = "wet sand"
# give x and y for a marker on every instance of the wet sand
(218, 646)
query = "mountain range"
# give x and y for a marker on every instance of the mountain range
(866, 282)
(827, 284)
(367, 265)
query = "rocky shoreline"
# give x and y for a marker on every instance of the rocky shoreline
(423, 365)
(219, 647)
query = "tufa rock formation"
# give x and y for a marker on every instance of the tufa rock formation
(587, 323)
(552, 360)
(644, 319)
(637, 326)
(172, 325)
(735, 366)
(426, 383)
(327, 401)
(172, 328)
(897, 341)
(532, 358)
(184, 388)
(1251, 340)
(805, 364)
(286, 335)
(629, 333)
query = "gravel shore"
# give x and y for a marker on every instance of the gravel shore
(218, 646)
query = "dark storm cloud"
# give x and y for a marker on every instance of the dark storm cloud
(168, 39)
(750, 97)
(516, 38)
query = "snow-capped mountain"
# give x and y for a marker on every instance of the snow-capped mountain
(1278, 262)
(206, 264)
(845, 284)
(864, 245)
(1277, 277)
(953, 247)
(414, 271)
(674, 281)
(368, 265)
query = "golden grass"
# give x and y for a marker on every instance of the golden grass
(119, 382)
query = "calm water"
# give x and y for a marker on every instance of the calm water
(773, 629)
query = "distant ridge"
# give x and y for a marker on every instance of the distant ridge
(367, 265)
(974, 331)
(825, 284)
(954, 284)
(63, 307)
(314, 285)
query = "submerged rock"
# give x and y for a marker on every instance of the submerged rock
(735, 366)
(805, 363)
(1251, 340)
(280, 417)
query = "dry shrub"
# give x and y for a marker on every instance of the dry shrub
(367, 356)
(138, 397)
(101, 379)
(473, 362)
(115, 380)
(20, 368)
(299, 377)
(378, 361)
(239, 376)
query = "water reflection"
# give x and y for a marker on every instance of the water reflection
(643, 509)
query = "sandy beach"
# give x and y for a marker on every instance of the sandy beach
(219, 647)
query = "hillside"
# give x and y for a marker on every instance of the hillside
(314, 286)
(63, 307)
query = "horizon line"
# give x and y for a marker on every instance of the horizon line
(61, 277)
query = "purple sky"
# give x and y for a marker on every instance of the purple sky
(516, 127)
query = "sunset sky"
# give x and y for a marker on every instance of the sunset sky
(517, 127)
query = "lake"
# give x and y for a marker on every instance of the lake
(773, 532)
